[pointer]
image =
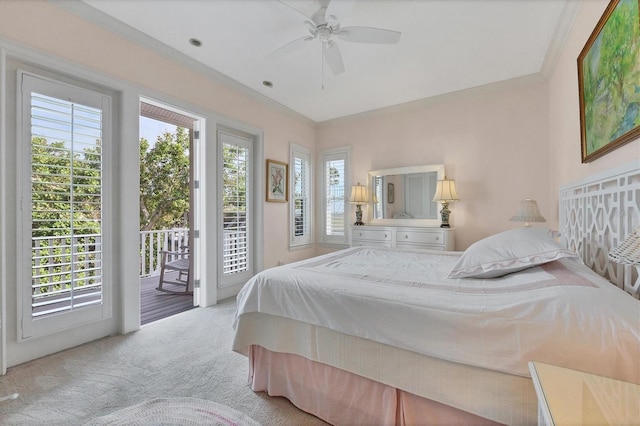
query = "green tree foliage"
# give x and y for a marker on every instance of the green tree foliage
(65, 214)
(234, 185)
(611, 74)
(334, 176)
(164, 181)
(53, 189)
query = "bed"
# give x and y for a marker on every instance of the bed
(389, 336)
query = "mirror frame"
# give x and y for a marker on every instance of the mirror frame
(439, 168)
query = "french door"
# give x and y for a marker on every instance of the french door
(236, 187)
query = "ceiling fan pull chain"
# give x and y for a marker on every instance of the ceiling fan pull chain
(322, 65)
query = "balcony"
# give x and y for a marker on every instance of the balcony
(53, 274)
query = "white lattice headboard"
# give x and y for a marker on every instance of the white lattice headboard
(597, 213)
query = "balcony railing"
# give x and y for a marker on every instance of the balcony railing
(67, 270)
(152, 243)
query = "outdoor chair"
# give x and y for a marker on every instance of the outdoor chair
(180, 264)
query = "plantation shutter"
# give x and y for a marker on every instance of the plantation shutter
(335, 197)
(301, 196)
(236, 187)
(63, 179)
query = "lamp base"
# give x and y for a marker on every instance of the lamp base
(358, 221)
(444, 213)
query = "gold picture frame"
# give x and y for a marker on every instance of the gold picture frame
(277, 181)
(608, 68)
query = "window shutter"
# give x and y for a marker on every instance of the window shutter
(335, 197)
(301, 199)
(66, 205)
(235, 188)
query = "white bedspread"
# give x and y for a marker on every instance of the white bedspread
(560, 313)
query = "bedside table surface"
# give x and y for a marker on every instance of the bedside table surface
(573, 397)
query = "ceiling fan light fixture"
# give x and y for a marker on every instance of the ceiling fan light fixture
(324, 25)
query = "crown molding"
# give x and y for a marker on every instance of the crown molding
(559, 39)
(97, 17)
(560, 36)
(101, 19)
(439, 99)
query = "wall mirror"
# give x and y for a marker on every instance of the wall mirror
(402, 195)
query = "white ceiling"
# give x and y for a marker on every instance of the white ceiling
(446, 46)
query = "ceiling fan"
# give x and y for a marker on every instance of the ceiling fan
(324, 25)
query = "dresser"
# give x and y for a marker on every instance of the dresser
(433, 238)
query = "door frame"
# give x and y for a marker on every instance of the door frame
(195, 194)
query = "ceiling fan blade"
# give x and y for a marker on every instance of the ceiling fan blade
(289, 48)
(369, 35)
(311, 27)
(302, 14)
(333, 57)
(337, 10)
(307, 20)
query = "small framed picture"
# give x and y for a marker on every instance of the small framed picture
(277, 188)
(391, 193)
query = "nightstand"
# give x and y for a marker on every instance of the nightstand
(570, 397)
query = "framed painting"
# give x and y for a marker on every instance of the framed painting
(609, 81)
(277, 188)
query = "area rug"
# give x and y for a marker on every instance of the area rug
(176, 411)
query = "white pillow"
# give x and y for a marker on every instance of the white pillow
(508, 252)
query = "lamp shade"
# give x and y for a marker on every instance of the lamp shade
(446, 191)
(628, 252)
(528, 212)
(359, 194)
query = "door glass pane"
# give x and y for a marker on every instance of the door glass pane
(235, 187)
(66, 205)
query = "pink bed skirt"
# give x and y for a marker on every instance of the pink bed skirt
(342, 398)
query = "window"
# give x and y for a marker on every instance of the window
(335, 181)
(236, 226)
(64, 210)
(300, 205)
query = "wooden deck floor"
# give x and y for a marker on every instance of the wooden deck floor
(155, 305)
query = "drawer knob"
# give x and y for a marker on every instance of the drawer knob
(360, 234)
(385, 235)
(437, 238)
(406, 236)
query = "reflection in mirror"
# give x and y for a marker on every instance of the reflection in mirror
(405, 194)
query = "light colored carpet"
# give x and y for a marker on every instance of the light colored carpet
(175, 411)
(187, 355)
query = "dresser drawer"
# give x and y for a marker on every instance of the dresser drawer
(371, 234)
(414, 237)
(371, 243)
(431, 238)
(422, 246)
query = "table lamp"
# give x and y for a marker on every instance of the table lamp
(358, 197)
(445, 193)
(528, 212)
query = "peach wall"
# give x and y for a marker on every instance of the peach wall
(45, 27)
(494, 144)
(500, 146)
(564, 113)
